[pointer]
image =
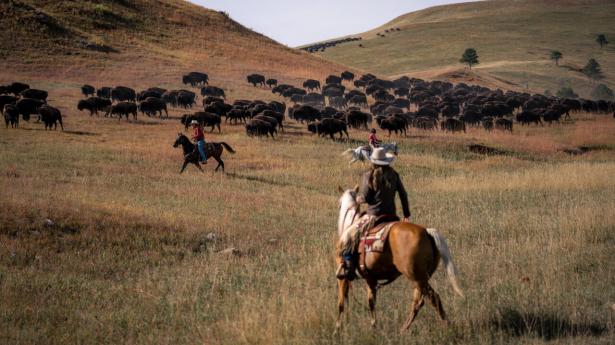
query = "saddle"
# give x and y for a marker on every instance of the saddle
(374, 238)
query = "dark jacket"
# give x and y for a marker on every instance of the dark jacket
(382, 202)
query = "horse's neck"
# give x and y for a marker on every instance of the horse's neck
(188, 146)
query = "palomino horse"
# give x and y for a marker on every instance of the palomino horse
(362, 153)
(411, 251)
(191, 155)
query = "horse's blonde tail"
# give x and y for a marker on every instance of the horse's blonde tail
(347, 152)
(445, 253)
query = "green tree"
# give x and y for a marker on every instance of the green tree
(603, 92)
(566, 92)
(601, 39)
(592, 69)
(556, 55)
(469, 57)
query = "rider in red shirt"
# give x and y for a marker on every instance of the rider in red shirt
(373, 141)
(199, 138)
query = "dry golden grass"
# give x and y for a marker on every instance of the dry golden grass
(127, 260)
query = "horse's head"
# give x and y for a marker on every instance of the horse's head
(349, 208)
(180, 140)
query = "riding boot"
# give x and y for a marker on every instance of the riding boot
(350, 269)
(346, 269)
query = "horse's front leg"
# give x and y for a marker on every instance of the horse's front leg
(342, 288)
(184, 166)
(372, 289)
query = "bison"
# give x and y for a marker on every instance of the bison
(257, 127)
(488, 123)
(271, 82)
(274, 114)
(153, 105)
(453, 125)
(11, 115)
(333, 79)
(195, 79)
(204, 119)
(123, 93)
(329, 127)
(504, 125)
(16, 88)
(358, 119)
(306, 113)
(28, 106)
(527, 117)
(88, 90)
(256, 79)
(7, 99)
(393, 123)
(123, 109)
(186, 99)
(104, 92)
(93, 104)
(35, 94)
(50, 117)
(311, 84)
(213, 91)
(348, 76)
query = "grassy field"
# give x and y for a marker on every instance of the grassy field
(128, 259)
(513, 40)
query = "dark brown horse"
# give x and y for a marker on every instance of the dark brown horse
(191, 154)
(410, 250)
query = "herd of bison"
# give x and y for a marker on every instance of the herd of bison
(328, 109)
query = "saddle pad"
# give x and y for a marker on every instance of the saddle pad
(375, 242)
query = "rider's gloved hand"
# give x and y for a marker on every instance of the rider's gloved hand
(407, 220)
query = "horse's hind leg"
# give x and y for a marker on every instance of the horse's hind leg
(434, 299)
(220, 163)
(198, 165)
(417, 304)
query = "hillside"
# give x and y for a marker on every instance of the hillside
(120, 41)
(513, 40)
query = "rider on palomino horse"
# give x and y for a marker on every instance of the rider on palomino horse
(378, 188)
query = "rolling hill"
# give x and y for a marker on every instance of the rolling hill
(134, 42)
(513, 40)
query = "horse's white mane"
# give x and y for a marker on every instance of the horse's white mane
(348, 211)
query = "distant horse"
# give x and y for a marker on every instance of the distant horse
(410, 250)
(191, 155)
(362, 153)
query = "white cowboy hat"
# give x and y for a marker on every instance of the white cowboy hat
(194, 122)
(380, 157)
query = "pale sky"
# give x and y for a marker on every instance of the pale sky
(295, 23)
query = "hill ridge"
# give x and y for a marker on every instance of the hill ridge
(522, 31)
(158, 39)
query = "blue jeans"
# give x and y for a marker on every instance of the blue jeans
(201, 145)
